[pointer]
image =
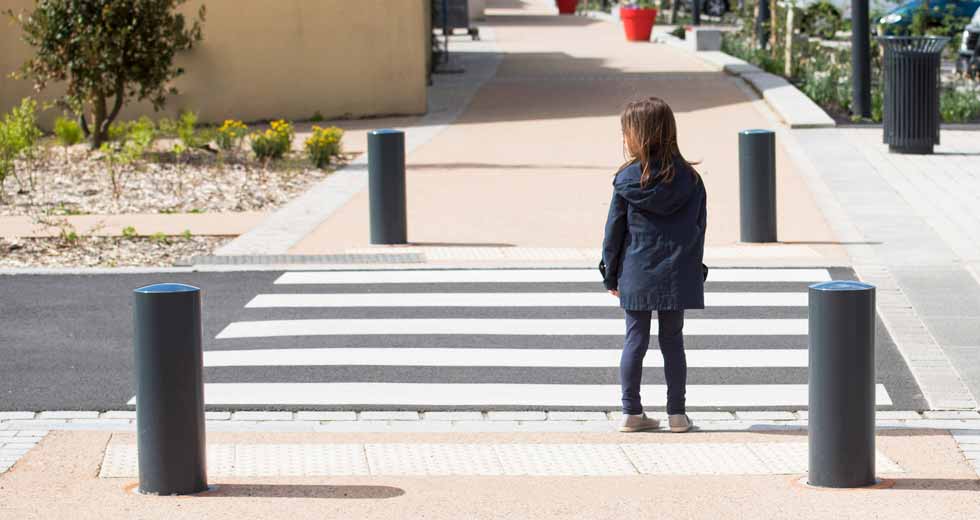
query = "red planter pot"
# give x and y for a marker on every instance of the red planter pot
(566, 6)
(638, 23)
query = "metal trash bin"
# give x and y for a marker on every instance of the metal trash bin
(911, 106)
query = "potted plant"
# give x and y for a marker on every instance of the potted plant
(566, 6)
(638, 17)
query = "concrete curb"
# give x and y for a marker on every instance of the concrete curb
(793, 107)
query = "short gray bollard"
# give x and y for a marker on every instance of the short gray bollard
(170, 432)
(842, 384)
(386, 186)
(757, 185)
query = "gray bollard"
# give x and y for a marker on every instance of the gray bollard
(842, 384)
(170, 432)
(757, 185)
(386, 186)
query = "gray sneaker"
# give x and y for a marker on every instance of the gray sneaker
(680, 423)
(637, 423)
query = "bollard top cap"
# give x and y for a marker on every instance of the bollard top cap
(842, 285)
(385, 131)
(756, 131)
(166, 288)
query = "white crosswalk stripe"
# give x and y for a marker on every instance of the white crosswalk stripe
(521, 327)
(529, 276)
(485, 338)
(491, 357)
(588, 299)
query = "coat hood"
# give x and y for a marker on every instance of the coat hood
(659, 198)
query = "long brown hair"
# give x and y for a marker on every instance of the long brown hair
(650, 137)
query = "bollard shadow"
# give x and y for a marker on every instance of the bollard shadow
(302, 491)
(460, 244)
(936, 484)
(831, 242)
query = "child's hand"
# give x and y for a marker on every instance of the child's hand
(614, 292)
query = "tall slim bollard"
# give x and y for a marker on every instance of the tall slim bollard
(169, 390)
(842, 384)
(386, 186)
(757, 185)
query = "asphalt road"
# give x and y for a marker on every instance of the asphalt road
(66, 340)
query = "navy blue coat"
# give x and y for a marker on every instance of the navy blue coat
(654, 242)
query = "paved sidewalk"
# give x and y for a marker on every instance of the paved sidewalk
(529, 162)
(916, 217)
(506, 475)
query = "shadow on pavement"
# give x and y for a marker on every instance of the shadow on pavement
(937, 484)
(302, 491)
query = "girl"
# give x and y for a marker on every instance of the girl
(652, 252)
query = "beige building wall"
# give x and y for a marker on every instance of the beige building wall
(263, 59)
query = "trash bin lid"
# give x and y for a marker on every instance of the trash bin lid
(167, 288)
(842, 285)
(914, 44)
(756, 131)
(383, 131)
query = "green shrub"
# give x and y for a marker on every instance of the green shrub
(129, 232)
(67, 131)
(230, 135)
(188, 132)
(273, 143)
(323, 145)
(119, 155)
(19, 135)
(959, 104)
(821, 19)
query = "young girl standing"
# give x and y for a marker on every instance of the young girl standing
(653, 251)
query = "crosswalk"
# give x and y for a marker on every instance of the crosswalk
(501, 339)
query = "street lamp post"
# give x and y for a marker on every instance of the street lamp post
(860, 59)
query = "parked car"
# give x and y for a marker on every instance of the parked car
(898, 20)
(968, 61)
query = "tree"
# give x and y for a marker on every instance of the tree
(108, 52)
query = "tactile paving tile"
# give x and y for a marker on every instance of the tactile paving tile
(299, 460)
(694, 459)
(433, 459)
(119, 461)
(790, 458)
(563, 459)
(782, 458)
(269, 460)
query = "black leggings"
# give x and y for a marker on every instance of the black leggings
(671, 336)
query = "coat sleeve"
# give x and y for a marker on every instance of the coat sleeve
(612, 244)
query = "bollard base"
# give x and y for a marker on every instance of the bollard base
(924, 149)
(879, 483)
(134, 488)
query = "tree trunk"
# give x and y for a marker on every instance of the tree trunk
(100, 131)
(673, 10)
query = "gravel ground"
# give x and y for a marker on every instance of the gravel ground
(79, 183)
(104, 251)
